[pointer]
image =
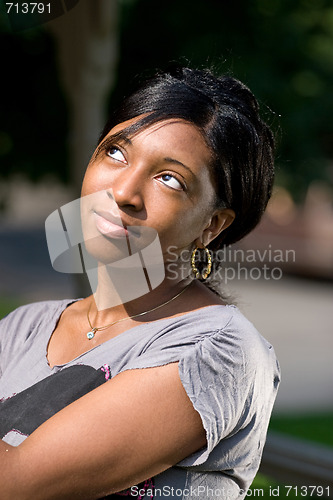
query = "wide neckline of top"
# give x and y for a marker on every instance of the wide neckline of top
(67, 302)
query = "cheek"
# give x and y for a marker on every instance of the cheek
(94, 180)
(87, 181)
(183, 229)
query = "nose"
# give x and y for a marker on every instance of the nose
(127, 190)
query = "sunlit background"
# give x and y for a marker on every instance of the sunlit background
(60, 78)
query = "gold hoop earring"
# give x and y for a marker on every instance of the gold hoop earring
(206, 272)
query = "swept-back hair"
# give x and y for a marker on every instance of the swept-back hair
(226, 113)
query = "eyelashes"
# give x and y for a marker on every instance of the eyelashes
(171, 181)
(108, 144)
(116, 154)
(111, 150)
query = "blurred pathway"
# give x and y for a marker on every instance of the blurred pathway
(26, 273)
(296, 316)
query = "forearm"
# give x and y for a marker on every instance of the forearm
(98, 444)
(8, 471)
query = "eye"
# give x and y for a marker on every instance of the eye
(170, 181)
(116, 154)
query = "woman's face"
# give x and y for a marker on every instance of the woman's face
(159, 178)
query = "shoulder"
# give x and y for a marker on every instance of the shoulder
(35, 309)
(233, 350)
(231, 331)
(242, 334)
(21, 323)
(230, 374)
(224, 334)
(26, 323)
(215, 336)
(216, 327)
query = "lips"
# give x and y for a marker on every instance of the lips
(109, 225)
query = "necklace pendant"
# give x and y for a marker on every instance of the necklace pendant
(91, 334)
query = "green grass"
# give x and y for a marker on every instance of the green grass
(313, 427)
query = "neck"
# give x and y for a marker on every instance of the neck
(124, 293)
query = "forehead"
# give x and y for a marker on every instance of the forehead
(176, 135)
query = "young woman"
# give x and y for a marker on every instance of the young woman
(190, 382)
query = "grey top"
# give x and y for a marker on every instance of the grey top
(227, 368)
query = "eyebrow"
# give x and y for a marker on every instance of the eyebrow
(118, 136)
(112, 139)
(173, 160)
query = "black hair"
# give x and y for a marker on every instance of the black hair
(227, 114)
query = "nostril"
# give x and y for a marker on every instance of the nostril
(126, 191)
(113, 208)
(110, 195)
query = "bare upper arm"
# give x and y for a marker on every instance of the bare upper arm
(130, 428)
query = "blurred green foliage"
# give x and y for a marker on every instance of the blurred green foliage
(8, 305)
(316, 427)
(282, 49)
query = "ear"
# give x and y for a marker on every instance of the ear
(219, 222)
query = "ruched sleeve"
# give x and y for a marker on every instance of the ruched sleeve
(230, 375)
(231, 378)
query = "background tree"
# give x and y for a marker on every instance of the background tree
(283, 50)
